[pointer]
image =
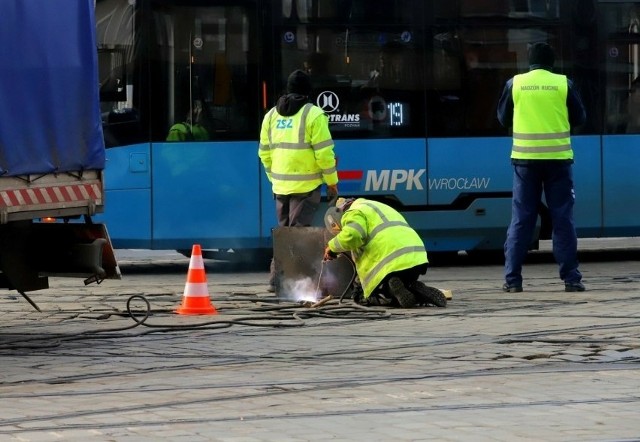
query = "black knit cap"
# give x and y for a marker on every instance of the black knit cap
(541, 54)
(299, 83)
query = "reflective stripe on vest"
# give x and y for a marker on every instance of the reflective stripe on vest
(541, 127)
(300, 149)
(377, 254)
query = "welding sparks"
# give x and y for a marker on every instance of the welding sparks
(301, 290)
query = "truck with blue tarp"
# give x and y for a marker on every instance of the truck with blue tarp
(52, 152)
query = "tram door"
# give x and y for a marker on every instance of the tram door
(205, 110)
(620, 32)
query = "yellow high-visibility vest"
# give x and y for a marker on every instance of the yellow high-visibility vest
(541, 129)
(380, 241)
(297, 151)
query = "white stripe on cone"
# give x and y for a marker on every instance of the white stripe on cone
(196, 262)
(196, 289)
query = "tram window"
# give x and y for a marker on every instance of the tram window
(116, 63)
(368, 78)
(621, 25)
(509, 8)
(112, 74)
(479, 8)
(633, 107)
(470, 68)
(201, 79)
(471, 55)
(365, 12)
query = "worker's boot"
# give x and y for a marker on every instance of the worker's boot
(397, 289)
(427, 295)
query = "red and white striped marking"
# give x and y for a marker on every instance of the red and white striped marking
(196, 277)
(50, 195)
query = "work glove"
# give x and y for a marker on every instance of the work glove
(329, 255)
(332, 191)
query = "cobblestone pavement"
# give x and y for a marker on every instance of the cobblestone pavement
(538, 365)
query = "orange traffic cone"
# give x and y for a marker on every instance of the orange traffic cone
(196, 299)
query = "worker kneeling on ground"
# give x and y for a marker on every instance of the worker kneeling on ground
(388, 254)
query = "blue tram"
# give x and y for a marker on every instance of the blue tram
(410, 88)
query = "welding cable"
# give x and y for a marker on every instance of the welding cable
(56, 340)
(353, 278)
(215, 324)
(343, 312)
(285, 315)
(295, 312)
(288, 313)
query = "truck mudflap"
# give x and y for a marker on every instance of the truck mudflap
(32, 252)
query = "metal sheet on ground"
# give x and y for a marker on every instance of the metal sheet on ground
(300, 272)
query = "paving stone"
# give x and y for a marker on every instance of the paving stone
(541, 365)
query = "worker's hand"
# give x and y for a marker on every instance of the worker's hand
(329, 255)
(332, 191)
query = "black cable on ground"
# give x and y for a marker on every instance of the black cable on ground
(289, 312)
(290, 315)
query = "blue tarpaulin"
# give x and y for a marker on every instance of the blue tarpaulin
(49, 105)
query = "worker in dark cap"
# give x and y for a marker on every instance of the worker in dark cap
(542, 107)
(296, 150)
(388, 254)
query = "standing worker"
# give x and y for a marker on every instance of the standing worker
(542, 107)
(296, 150)
(388, 254)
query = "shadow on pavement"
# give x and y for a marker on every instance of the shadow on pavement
(180, 264)
(534, 257)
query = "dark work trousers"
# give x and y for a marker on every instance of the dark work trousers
(295, 210)
(555, 178)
